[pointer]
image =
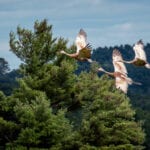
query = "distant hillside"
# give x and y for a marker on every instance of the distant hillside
(8, 81)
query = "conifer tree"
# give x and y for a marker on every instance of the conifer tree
(27, 119)
(8, 126)
(43, 67)
(47, 84)
(108, 120)
(39, 127)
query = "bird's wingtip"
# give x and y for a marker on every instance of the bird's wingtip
(81, 29)
(82, 32)
(140, 41)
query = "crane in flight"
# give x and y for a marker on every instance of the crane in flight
(83, 49)
(122, 81)
(140, 56)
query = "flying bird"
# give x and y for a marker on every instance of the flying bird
(140, 56)
(83, 49)
(120, 72)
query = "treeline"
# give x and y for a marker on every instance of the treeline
(56, 104)
(8, 81)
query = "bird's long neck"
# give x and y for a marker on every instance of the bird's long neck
(109, 73)
(71, 55)
(128, 62)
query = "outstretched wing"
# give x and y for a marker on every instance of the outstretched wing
(123, 81)
(139, 50)
(117, 62)
(81, 40)
(121, 84)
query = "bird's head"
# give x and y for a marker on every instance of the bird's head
(100, 69)
(62, 52)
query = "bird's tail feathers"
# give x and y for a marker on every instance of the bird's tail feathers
(125, 61)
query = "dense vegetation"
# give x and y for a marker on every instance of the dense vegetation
(139, 95)
(56, 104)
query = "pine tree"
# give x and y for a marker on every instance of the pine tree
(108, 121)
(46, 86)
(49, 92)
(8, 128)
(43, 67)
(39, 127)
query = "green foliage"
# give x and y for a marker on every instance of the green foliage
(47, 81)
(108, 118)
(35, 48)
(43, 67)
(141, 103)
(54, 108)
(7, 79)
(38, 125)
(139, 95)
(8, 129)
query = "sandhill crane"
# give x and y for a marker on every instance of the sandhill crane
(120, 72)
(83, 51)
(140, 56)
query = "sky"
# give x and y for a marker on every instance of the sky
(107, 22)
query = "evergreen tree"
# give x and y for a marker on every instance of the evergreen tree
(47, 84)
(139, 95)
(108, 120)
(105, 117)
(43, 70)
(39, 127)
(8, 128)
(43, 67)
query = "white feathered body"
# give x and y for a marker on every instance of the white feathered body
(139, 51)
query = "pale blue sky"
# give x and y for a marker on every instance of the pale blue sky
(107, 22)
